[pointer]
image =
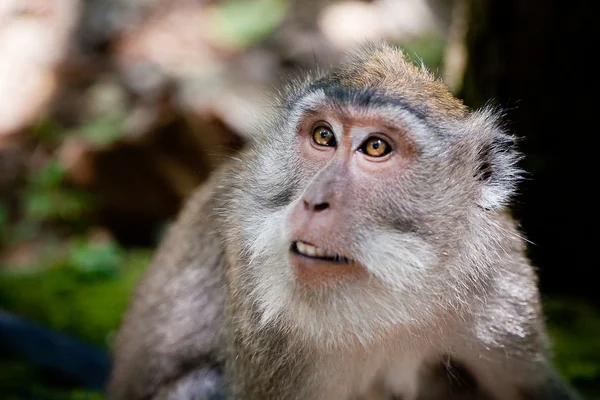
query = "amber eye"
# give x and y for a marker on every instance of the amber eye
(375, 147)
(323, 136)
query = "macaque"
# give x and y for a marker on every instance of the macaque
(360, 249)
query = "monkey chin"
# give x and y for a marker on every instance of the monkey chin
(313, 270)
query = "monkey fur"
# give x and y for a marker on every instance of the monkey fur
(361, 248)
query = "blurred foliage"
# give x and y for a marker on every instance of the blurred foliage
(243, 22)
(3, 215)
(427, 50)
(574, 327)
(47, 132)
(44, 196)
(84, 294)
(46, 200)
(76, 284)
(98, 131)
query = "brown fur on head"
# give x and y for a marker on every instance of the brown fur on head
(419, 228)
(386, 70)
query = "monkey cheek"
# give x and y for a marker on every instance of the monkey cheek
(317, 272)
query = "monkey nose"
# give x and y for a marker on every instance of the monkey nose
(318, 198)
(315, 206)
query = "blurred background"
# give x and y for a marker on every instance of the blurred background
(112, 111)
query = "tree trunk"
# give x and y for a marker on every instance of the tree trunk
(534, 58)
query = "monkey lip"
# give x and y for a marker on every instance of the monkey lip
(308, 250)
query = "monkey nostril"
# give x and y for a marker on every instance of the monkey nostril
(321, 206)
(310, 206)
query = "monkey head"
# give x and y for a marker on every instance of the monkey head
(371, 201)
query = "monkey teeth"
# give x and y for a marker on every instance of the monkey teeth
(317, 252)
(312, 251)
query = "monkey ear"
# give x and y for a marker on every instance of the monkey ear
(496, 159)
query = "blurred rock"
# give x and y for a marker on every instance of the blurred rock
(75, 155)
(348, 23)
(34, 38)
(11, 162)
(140, 181)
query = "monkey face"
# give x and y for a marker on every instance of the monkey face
(369, 195)
(349, 162)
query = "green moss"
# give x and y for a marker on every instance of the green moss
(83, 295)
(45, 198)
(574, 327)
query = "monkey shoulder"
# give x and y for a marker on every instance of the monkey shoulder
(173, 323)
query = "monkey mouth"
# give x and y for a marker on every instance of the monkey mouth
(308, 250)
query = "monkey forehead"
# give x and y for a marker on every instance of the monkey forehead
(380, 75)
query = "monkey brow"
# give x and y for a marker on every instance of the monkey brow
(343, 95)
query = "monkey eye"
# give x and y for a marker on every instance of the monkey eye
(375, 147)
(323, 136)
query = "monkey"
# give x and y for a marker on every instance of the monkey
(361, 248)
